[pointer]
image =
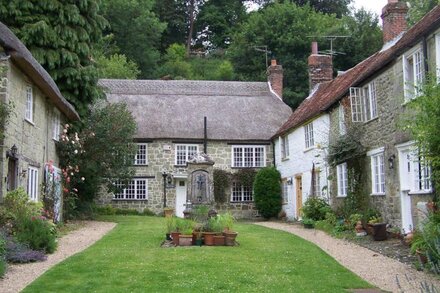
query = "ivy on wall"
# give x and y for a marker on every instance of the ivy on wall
(223, 180)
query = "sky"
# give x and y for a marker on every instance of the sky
(372, 5)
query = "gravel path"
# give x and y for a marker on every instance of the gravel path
(381, 271)
(20, 275)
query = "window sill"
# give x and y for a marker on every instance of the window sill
(378, 194)
(128, 199)
(371, 120)
(139, 165)
(284, 159)
(341, 196)
(250, 201)
(56, 140)
(247, 167)
(309, 149)
(29, 121)
(420, 192)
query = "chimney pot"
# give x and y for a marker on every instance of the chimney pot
(273, 62)
(314, 48)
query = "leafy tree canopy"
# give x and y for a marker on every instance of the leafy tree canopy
(337, 7)
(418, 8)
(116, 66)
(60, 34)
(137, 31)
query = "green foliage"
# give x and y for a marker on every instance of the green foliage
(418, 8)
(315, 208)
(267, 192)
(137, 31)
(346, 147)
(2, 255)
(16, 207)
(185, 226)
(423, 122)
(338, 7)
(217, 20)
(222, 181)
(117, 66)
(215, 224)
(61, 35)
(171, 224)
(173, 13)
(38, 233)
(108, 129)
(245, 176)
(427, 240)
(308, 221)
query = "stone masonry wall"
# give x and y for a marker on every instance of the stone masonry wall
(160, 159)
(33, 140)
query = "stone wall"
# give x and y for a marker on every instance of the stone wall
(33, 140)
(384, 131)
(161, 157)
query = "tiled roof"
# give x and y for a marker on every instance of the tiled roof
(21, 56)
(246, 111)
(331, 92)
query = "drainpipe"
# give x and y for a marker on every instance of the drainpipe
(164, 175)
(425, 55)
(205, 136)
(273, 154)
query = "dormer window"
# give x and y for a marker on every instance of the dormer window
(413, 74)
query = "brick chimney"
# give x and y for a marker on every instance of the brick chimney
(275, 77)
(320, 67)
(394, 19)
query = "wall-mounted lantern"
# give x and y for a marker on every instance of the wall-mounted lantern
(391, 161)
(12, 153)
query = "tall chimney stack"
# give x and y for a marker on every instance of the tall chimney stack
(394, 19)
(320, 67)
(275, 77)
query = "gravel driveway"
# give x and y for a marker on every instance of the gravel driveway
(19, 276)
(381, 271)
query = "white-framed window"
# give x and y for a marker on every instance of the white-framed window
(341, 120)
(363, 102)
(285, 191)
(136, 189)
(413, 74)
(308, 135)
(56, 124)
(342, 175)
(285, 147)
(248, 156)
(184, 152)
(377, 171)
(32, 183)
(141, 157)
(422, 175)
(241, 192)
(317, 183)
(29, 113)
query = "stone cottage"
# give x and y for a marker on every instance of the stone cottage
(38, 110)
(181, 121)
(366, 106)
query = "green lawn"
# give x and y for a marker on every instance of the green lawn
(129, 259)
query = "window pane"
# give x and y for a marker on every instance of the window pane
(238, 157)
(180, 155)
(259, 157)
(236, 192)
(141, 155)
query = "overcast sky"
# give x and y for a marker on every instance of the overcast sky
(372, 5)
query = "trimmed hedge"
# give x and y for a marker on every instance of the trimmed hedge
(267, 192)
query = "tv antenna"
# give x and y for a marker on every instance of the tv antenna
(264, 50)
(330, 52)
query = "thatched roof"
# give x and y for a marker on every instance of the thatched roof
(24, 60)
(243, 111)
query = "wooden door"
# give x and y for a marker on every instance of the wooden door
(298, 184)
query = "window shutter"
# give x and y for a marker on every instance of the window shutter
(357, 102)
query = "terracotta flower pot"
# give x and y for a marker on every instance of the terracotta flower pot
(230, 237)
(209, 238)
(379, 231)
(168, 213)
(175, 237)
(219, 240)
(185, 240)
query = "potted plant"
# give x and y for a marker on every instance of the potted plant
(217, 227)
(208, 231)
(180, 226)
(379, 228)
(308, 223)
(187, 227)
(228, 224)
(170, 227)
(168, 212)
(356, 221)
(394, 232)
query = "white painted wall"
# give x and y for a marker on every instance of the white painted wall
(300, 161)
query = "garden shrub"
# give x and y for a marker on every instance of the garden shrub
(17, 206)
(17, 252)
(315, 208)
(2, 255)
(38, 233)
(221, 183)
(267, 192)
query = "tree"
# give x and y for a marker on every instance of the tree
(418, 8)
(173, 13)
(137, 32)
(267, 192)
(99, 154)
(116, 66)
(285, 30)
(217, 20)
(61, 35)
(337, 7)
